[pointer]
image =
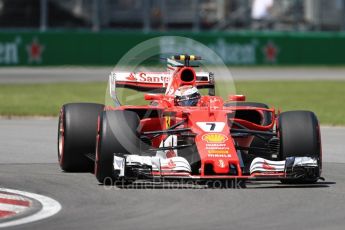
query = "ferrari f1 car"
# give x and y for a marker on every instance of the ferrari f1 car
(216, 139)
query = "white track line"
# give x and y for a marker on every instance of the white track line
(49, 208)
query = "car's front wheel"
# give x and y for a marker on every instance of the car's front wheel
(299, 135)
(117, 135)
(77, 136)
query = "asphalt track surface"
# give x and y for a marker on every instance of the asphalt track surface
(28, 162)
(89, 74)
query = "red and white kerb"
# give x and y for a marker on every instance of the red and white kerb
(11, 205)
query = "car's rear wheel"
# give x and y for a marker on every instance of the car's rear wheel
(117, 135)
(299, 135)
(77, 136)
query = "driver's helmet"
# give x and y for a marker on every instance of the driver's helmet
(187, 96)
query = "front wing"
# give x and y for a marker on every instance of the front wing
(146, 167)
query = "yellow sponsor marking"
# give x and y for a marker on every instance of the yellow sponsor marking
(218, 151)
(214, 138)
(168, 121)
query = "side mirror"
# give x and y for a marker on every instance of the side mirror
(237, 97)
(152, 96)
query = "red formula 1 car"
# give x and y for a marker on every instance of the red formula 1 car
(217, 138)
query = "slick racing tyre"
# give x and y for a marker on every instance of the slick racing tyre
(299, 135)
(117, 134)
(77, 136)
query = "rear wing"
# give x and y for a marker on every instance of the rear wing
(156, 81)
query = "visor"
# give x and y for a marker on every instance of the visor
(190, 100)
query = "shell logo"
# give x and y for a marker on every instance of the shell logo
(214, 138)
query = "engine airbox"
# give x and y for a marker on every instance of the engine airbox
(187, 76)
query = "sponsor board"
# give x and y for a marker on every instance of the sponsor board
(27, 48)
(17, 51)
(230, 52)
(243, 48)
(270, 51)
(234, 52)
(9, 51)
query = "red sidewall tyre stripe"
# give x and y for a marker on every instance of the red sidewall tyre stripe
(62, 137)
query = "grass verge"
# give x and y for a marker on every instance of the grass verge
(325, 98)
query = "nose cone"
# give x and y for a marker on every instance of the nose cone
(221, 166)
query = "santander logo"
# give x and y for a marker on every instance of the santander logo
(149, 77)
(265, 165)
(131, 77)
(171, 164)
